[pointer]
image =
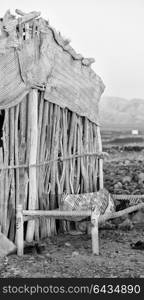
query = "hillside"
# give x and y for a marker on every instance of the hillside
(120, 113)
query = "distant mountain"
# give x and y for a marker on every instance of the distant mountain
(120, 113)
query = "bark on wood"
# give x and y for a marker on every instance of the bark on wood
(17, 154)
(33, 105)
(54, 168)
(94, 232)
(121, 213)
(12, 175)
(19, 230)
(1, 190)
(43, 121)
(100, 160)
(6, 178)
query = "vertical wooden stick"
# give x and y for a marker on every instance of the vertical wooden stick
(65, 152)
(33, 111)
(94, 231)
(22, 152)
(86, 146)
(1, 189)
(95, 172)
(6, 175)
(16, 154)
(27, 34)
(12, 174)
(78, 159)
(19, 230)
(48, 146)
(100, 160)
(54, 153)
(70, 148)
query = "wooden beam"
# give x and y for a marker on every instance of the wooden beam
(57, 213)
(84, 213)
(121, 213)
(126, 197)
(33, 117)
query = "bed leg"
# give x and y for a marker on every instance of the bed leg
(19, 231)
(94, 232)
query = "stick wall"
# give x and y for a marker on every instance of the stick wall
(60, 133)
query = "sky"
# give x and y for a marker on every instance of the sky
(111, 31)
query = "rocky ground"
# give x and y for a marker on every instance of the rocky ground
(68, 255)
(124, 173)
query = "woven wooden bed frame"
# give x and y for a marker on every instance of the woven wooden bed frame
(26, 215)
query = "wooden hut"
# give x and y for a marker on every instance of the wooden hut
(50, 134)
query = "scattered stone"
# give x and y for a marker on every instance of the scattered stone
(5, 261)
(67, 244)
(55, 275)
(141, 177)
(126, 179)
(118, 186)
(75, 253)
(126, 162)
(48, 254)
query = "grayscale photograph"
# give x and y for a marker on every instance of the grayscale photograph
(72, 141)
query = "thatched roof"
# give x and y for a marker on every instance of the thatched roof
(44, 57)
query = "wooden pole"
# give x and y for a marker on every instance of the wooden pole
(23, 173)
(96, 169)
(19, 230)
(17, 153)
(12, 174)
(6, 177)
(33, 111)
(94, 231)
(101, 185)
(121, 213)
(1, 189)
